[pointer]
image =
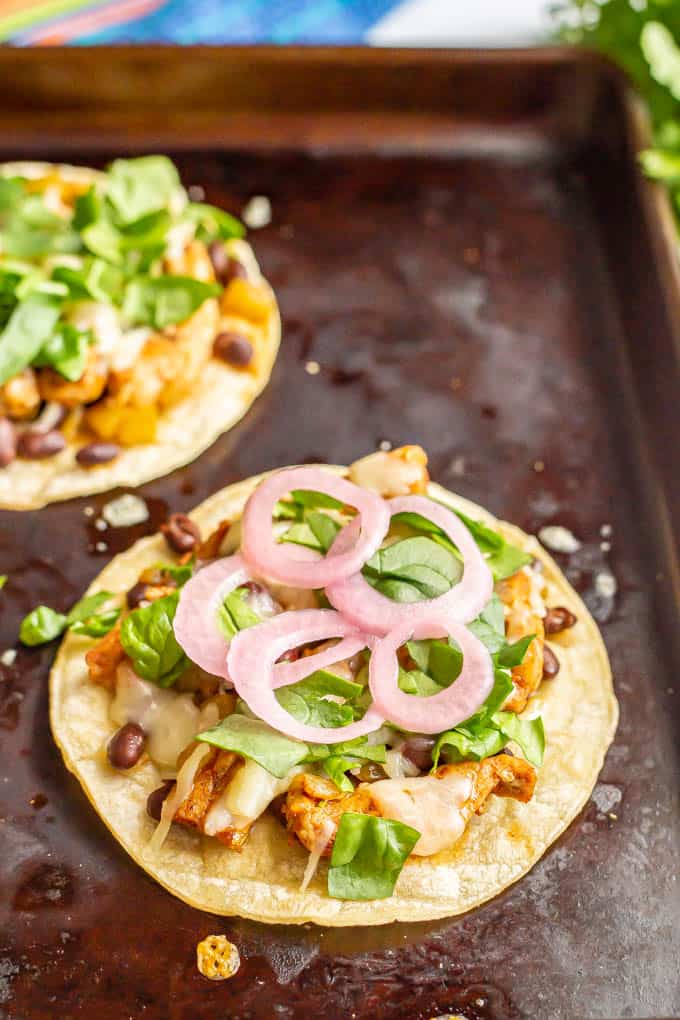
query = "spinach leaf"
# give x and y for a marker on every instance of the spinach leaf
(503, 558)
(336, 767)
(304, 499)
(44, 624)
(30, 325)
(137, 187)
(315, 531)
(66, 351)
(255, 740)
(178, 572)
(87, 607)
(12, 190)
(85, 617)
(414, 681)
(412, 567)
(96, 625)
(97, 279)
(213, 224)
(368, 855)
(163, 300)
(30, 230)
(147, 636)
(41, 625)
(441, 660)
(235, 614)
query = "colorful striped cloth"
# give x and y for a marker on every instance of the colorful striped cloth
(45, 22)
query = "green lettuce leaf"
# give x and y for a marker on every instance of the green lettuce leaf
(309, 702)
(368, 855)
(253, 739)
(147, 636)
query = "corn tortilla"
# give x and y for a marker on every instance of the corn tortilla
(580, 714)
(185, 430)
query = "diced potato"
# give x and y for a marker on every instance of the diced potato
(112, 420)
(138, 425)
(250, 300)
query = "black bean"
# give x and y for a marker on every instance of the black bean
(126, 746)
(8, 442)
(226, 267)
(156, 798)
(558, 619)
(181, 533)
(419, 751)
(35, 445)
(137, 595)
(234, 348)
(551, 664)
(97, 453)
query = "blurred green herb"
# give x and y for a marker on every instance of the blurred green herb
(643, 37)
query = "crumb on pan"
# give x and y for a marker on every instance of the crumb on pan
(217, 958)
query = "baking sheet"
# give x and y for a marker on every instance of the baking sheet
(463, 245)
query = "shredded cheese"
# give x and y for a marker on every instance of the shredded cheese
(185, 781)
(316, 853)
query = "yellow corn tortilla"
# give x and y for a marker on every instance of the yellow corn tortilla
(579, 710)
(185, 430)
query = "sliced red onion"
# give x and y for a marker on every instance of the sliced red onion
(277, 561)
(195, 624)
(440, 711)
(253, 653)
(368, 609)
(290, 672)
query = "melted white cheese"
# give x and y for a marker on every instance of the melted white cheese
(171, 720)
(429, 804)
(248, 794)
(185, 781)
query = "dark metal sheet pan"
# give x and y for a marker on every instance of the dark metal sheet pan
(464, 244)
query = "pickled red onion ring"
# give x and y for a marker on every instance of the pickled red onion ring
(290, 672)
(375, 613)
(449, 707)
(195, 622)
(275, 561)
(253, 653)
